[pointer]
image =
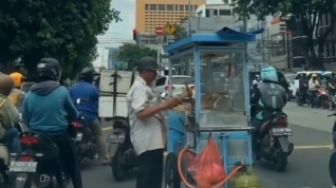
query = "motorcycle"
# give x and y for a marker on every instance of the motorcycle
(301, 98)
(332, 160)
(86, 145)
(38, 164)
(323, 98)
(274, 144)
(124, 159)
(4, 161)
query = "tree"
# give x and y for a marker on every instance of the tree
(64, 29)
(308, 14)
(131, 53)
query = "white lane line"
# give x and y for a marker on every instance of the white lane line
(106, 128)
(313, 147)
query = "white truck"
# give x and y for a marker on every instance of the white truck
(113, 87)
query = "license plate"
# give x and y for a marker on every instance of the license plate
(282, 131)
(117, 138)
(79, 136)
(23, 166)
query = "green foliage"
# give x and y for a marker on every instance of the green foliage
(131, 53)
(64, 29)
(306, 13)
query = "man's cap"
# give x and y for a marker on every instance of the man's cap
(147, 63)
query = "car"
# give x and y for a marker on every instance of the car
(176, 86)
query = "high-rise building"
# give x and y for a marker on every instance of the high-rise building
(151, 14)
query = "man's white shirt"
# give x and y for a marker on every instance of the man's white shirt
(146, 134)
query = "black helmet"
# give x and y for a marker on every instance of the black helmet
(87, 74)
(48, 69)
(147, 63)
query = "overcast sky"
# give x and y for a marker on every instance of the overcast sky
(122, 31)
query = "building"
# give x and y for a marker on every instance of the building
(210, 18)
(153, 15)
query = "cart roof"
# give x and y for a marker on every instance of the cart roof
(223, 37)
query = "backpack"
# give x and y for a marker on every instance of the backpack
(2, 127)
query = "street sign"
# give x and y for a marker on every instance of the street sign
(160, 30)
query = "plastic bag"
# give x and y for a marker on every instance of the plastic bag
(210, 168)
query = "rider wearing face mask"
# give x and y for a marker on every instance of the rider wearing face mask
(48, 109)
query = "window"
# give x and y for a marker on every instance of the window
(170, 7)
(224, 12)
(186, 8)
(152, 7)
(181, 7)
(207, 13)
(146, 7)
(162, 7)
(215, 12)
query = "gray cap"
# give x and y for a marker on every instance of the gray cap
(147, 63)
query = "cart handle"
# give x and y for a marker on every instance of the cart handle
(224, 129)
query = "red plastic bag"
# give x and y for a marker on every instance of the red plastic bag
(210, 168)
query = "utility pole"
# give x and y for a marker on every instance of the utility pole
(189, 18)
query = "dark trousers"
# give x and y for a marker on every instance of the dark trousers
(68, 159)
(150, 169)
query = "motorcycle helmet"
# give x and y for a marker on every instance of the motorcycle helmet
(17, 78)
(147, 63)
(6, 84)
(314, 75)
(87, 74)
(48, 69)
(269, 74)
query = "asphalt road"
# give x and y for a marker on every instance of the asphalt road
(307, 167)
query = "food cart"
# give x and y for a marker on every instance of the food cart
(221, 102)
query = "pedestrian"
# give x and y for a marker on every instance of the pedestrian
(147, 124)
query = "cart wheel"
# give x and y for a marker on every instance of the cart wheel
(186, 169)
(172, 178)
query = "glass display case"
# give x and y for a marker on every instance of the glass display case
(222, 90)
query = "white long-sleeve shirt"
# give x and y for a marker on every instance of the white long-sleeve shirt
(313, 85)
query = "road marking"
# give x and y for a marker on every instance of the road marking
(106, 128)
(313, 147)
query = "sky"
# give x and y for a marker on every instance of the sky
(122, 31)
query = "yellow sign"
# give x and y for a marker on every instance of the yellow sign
(170, 29)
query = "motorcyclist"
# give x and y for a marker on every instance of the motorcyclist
(256, 80)
(313, 85)
(303, 87)
(17, 95)
(85, 96)
(48, 109)
(332, 89)
(270, 97)
(9, 116)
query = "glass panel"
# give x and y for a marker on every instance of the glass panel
(162, 7)
(170, 7)
(152, 7)
(222, 90)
